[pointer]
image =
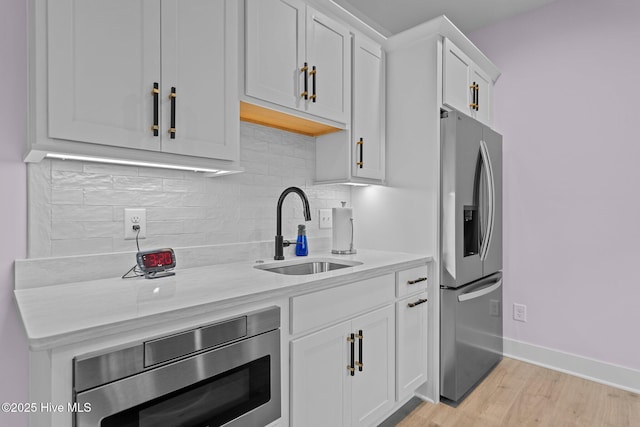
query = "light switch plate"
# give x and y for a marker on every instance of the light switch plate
(326, 218)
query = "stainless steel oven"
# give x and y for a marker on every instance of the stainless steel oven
(224, 374)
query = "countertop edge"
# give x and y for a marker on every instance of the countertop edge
(74, 337)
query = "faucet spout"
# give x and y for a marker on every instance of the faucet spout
(307, 217)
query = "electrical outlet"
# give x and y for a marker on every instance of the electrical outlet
(326, 218)
(494, 308)
(133, 217)
(520, 312)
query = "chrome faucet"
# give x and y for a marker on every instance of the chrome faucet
(280, 242)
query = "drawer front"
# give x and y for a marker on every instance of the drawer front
(411, 281)
(340, 303)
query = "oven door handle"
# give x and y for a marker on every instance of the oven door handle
(479, 293)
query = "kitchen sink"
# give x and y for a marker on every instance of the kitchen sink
(307, 266)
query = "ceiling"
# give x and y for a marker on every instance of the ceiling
(393, 16)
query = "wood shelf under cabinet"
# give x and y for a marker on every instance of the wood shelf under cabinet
(276, 119)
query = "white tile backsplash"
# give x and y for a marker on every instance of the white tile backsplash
(76, 208)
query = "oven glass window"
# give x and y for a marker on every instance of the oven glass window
(211, 402)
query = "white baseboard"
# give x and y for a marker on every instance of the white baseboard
(605, 373)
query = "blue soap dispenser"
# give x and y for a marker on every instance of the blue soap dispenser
(301, 242)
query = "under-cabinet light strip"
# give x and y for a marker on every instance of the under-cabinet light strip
(133, 163)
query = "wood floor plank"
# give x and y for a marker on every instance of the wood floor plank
(518, 394)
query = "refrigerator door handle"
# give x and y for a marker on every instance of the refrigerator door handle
(486, 161)
(479, 293)
(493, 201)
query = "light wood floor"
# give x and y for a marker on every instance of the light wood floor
(521, 394)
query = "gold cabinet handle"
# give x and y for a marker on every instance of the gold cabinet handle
(351, 368)
(360, 143)
(420, 301)
(155, 92)
(313, 83)
(474, 103)
(172, 97)
(305, 70)
(360, 363)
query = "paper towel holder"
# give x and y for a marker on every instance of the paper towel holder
(351, 249)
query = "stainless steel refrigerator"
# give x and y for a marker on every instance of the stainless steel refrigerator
(471, 254)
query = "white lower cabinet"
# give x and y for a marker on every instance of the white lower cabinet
(411, 341)
(344, 375)
(372, 387)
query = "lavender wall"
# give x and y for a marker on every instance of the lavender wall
(13, 205)
(567, 105)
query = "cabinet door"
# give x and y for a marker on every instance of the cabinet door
(372, 395)
(103, 59)
(274, 54)
(319, 377)
(199, 60)
(456, 92)
(411, 344)
(485, 92)
(329, 51)
(367, 115)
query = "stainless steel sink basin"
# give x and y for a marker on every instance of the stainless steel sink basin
(307, 266)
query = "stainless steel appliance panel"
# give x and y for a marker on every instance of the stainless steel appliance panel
(171, 347)
(471, 200)
(213, 381)
(136, 390)
(471, 334)
(460, 155)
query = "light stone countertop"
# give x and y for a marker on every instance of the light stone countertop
(59, 315)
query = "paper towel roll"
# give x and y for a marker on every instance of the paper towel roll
(342, 231)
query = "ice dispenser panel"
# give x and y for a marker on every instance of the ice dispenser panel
(470, 224)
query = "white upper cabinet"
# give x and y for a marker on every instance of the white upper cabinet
(196, 35)
(465, 86)
(104, 57)
(275, 50)
(368, 110)
(297, 58)
(113, 64)
(329, 59)
(358, 154)
(484, 94)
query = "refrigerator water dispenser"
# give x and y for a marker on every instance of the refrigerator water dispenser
(471, 237)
